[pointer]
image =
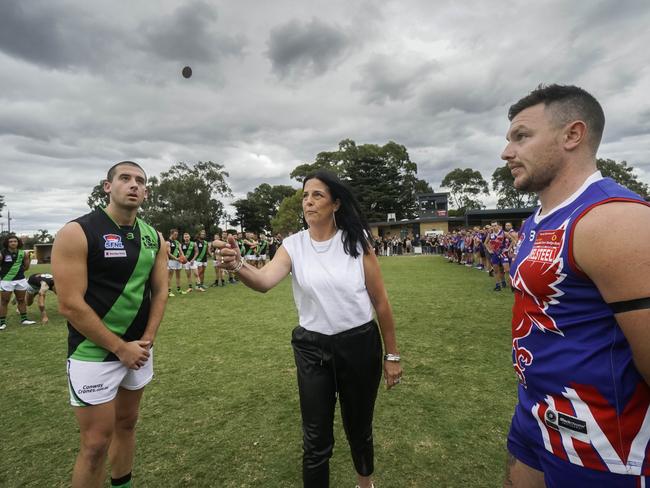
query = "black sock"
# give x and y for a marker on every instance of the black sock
(123, 482)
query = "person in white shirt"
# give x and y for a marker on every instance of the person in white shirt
(337, 346)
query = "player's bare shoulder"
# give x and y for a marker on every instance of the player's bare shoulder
(70, 237)
(616, 221)
(609, 246)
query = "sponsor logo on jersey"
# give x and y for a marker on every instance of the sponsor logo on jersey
(536, 280)
(114, 254)
(582, 427)
(113, 241)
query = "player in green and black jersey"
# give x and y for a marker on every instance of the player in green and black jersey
(111, 283)
(189, 250)
(201, 260)
(14, 261)
(175, 260)
(40, 284)
(262, 250)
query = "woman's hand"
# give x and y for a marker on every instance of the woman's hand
(229, 255)
(392, 373)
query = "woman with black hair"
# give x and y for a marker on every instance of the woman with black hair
(337, 346)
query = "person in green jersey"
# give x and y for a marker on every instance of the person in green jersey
(201, 260)
(14, 261)
(190, 251)
(175, 259)
(111, 280)
(218, 272)
(262, 250)
(39, 285)
(250, 248)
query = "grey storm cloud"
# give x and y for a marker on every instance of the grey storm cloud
(190, 34)
(302, 48)
(391, 77)
(51, 34)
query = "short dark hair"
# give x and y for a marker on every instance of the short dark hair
(348, 217)
(5, 244)
(568, 103)
(113, 169)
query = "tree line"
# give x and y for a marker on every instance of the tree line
(383, 178)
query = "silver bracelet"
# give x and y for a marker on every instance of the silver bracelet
(394, 358)
(238, 267)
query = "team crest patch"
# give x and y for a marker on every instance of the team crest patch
(149, 242)
(113, 241)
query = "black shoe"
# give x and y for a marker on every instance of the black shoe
(491, 272)
(223, 283)
(504, 285)
(214, 284)
(497, 287)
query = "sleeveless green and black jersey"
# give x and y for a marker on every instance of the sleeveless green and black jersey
(249, 248)
(188, 250)
(120, 260)
(174, 248)
(202, 256)
(12, 267)
(262, 247)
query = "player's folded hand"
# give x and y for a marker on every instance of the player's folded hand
(134, 354)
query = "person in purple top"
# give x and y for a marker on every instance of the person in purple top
(581, 318)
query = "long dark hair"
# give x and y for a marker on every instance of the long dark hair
(5, 244)
(348, 217)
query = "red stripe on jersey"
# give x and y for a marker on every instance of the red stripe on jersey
(553, 435)
(588, 456)
(629, 422)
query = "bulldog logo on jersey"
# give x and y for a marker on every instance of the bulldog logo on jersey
(536, 280)
(113, 241)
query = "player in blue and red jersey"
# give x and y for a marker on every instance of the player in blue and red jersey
(581, 318)
(495, 245)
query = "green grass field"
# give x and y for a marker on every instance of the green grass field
(223, 411)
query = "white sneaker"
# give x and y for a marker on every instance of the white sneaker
(3, 326)
(28, 322)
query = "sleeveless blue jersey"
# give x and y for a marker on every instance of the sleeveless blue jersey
(580, 395)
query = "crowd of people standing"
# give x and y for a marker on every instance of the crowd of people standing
(192, 256)
(490, 248)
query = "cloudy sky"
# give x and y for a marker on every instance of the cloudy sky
(84, 84)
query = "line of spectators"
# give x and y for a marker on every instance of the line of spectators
(490, 248)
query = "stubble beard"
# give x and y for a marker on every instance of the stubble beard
(541, 177)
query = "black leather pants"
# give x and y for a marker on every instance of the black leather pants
(349, 363)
